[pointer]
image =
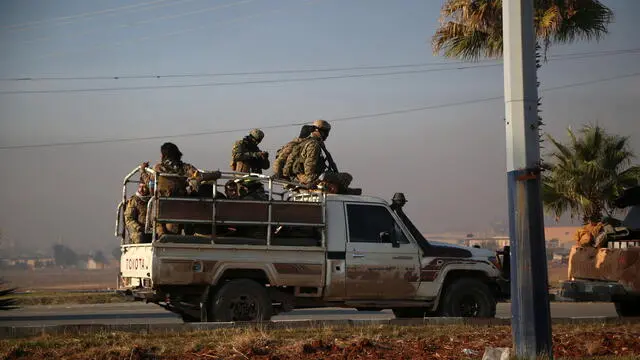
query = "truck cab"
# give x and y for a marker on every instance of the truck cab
(301, 248)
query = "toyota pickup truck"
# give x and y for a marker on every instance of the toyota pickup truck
(300, 249)
(610, 272)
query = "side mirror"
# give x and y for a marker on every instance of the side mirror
(385, 237)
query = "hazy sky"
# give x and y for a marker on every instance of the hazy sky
(449, 161)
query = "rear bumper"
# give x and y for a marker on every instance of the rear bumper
(596, 291)
(138, 294)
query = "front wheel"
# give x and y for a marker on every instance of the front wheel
(468, 298)
(628, 308)
(241, 300)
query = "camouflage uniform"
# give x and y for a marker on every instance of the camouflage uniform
(177, 168)
(246, 156)
(307, 161)
(279, 164)
(173, 188)
(134, 218)
(283, 153)
(249, 188)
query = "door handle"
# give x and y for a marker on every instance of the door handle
(358, 255)
(403, 258)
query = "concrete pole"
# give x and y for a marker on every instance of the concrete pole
(530, 316)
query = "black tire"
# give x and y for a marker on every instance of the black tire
(628, 308)
(241, 300)
(368, 309)
(404, 313)
(468, 298)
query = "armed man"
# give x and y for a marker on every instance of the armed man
(283, 153)
(171, 163)
(306, 163)
(311, 164)
(135, 214)
(246, 156)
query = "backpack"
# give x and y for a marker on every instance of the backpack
(294, 162)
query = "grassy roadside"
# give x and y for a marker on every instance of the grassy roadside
(58, 298)
(371, 342)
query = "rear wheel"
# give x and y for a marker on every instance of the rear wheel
(241, 300)
(628, 308)
(468, 298)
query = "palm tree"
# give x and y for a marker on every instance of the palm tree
(588, 173)
(472, 29)
(7, 303)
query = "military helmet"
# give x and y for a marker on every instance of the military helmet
(322, 124)
(257, 134)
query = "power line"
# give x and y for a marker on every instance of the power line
(252, 82)
(196, 75)
(216, 84)
(341, 119)
(31, 24)
(153, 19)
(194, 12)
(170, 34)
(569, 56)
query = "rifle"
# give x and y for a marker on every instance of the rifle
(332, 165)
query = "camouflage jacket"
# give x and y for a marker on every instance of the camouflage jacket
(245, 157)
(135, 214)
(308, 162)
(170, 186)
(170, 167)
(281, 159)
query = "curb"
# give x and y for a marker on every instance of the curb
(29, 331)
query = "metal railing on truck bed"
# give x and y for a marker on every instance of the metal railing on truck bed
(284, 212)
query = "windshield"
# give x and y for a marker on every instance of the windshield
(422, 242)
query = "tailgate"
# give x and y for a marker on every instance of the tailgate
(135, 265)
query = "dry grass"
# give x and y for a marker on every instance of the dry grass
(54, 298)
(371, 342)
(61, 279)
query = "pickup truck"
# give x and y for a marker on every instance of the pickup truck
(611, 272)
(305, 249)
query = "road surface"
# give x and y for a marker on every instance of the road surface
(141, 313)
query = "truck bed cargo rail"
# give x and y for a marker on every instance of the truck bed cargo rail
(293, 206)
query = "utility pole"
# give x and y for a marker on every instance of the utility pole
(530, 316)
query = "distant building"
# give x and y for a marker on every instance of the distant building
(27, 263)
(87, 262)
(491, 243)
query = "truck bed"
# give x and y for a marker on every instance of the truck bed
(606, 265)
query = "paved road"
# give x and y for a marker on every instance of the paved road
(140, 313)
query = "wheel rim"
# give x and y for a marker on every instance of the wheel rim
(243, 308)
(469, 306)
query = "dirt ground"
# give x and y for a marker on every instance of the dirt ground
(61, 279)
(373, 342)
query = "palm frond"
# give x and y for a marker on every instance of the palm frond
(478, 25)
(588, 172)
(7, 303)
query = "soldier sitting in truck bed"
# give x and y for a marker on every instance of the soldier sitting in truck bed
(135, 214)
